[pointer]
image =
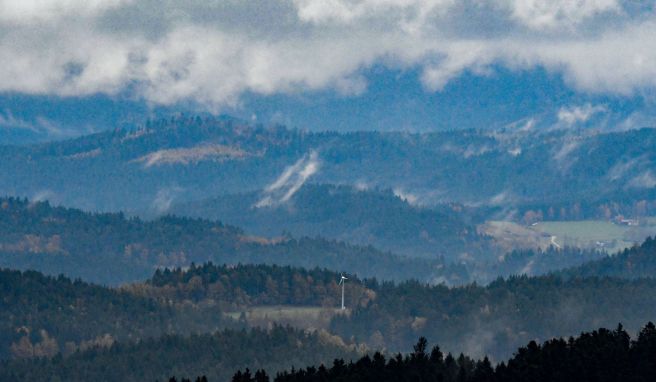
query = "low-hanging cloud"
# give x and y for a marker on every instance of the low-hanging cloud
(164, 199)
(214, 52)
(290, 181)
(579, 114)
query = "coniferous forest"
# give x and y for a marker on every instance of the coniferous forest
(600, 355)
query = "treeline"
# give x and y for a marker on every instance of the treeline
(110, 248)
(217, 356)
(42, 316)
(601, 355)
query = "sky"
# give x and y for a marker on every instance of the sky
(329, 64)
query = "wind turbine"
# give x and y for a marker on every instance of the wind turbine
(342, 281)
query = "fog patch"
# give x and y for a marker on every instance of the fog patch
(361, 185)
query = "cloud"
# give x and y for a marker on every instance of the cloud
(214, 52)
(500, 198)
(624, 167)
(165, 198)
(39, 125)
(8, 121)
(515, 151)
(565, 156)
(407, 197)
(43, 195)
(290, 181)
(576, 114)
(539, 14)
(644, 180)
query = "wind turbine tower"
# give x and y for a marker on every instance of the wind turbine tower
(342, 281)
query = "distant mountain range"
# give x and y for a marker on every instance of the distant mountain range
(420, 195)
(190, 159)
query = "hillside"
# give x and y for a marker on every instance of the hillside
(365, 217)
(111, 248)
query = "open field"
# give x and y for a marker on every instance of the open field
(599, 234)
(307, 317)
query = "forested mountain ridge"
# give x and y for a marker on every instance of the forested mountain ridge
(45, 315)
(41, 316)
(479, 320)
(111, 248)
(366, 217)
(187, 159)
(236, 287)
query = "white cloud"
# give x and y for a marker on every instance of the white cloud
(27, 11)
(213, 52)
(576, 114)
(559, 13)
